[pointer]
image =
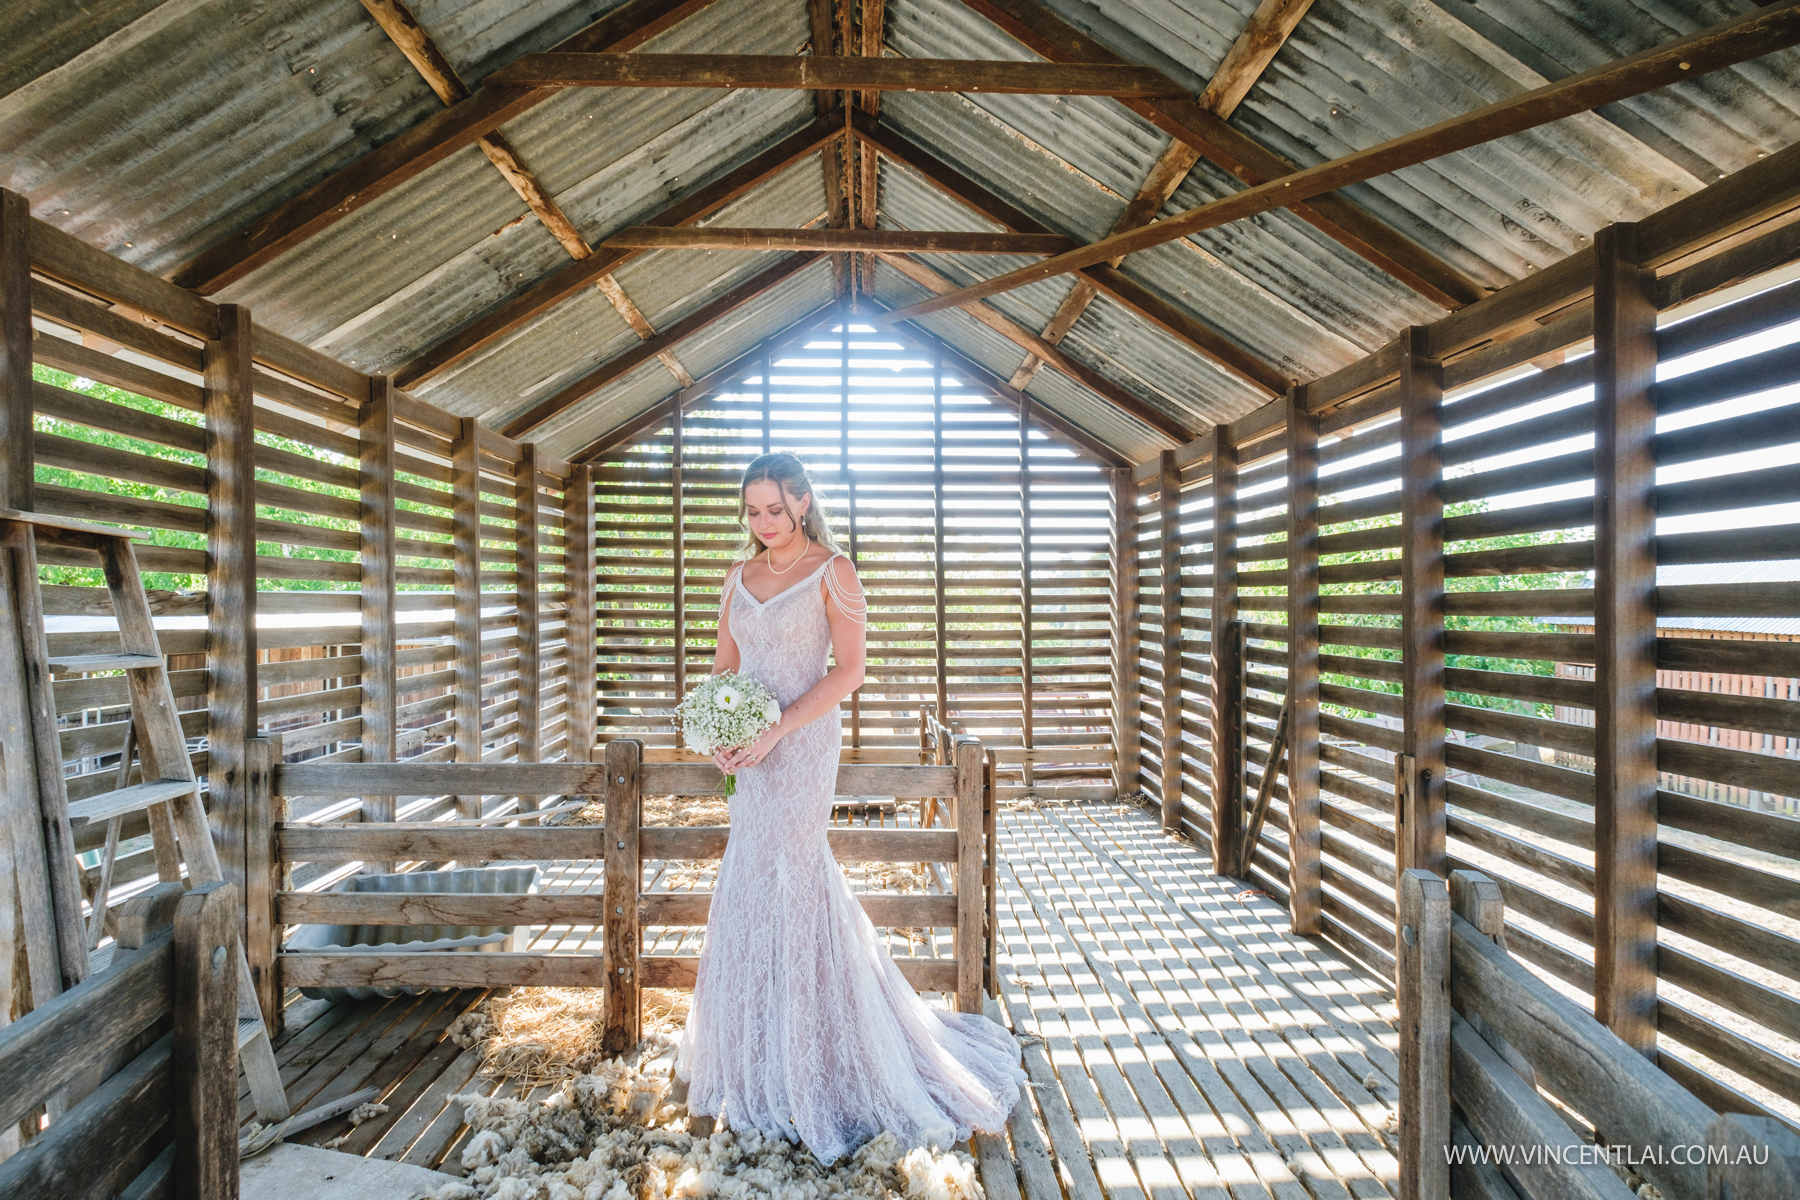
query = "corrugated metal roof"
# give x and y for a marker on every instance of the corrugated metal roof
(156, 129)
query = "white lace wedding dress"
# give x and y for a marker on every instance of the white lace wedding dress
(801, 1026)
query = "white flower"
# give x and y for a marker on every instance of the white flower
(771, 711)
(728, 698)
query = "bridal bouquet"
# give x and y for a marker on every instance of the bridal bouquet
(726, 712)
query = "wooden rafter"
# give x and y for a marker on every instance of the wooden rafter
(1207, 132)
(835, 73)
(909, 241)
(1243, 64)
(1264, 35)
(1186, 329)
(416, 43)
(405, 157)
(522, 426)
(1723, 45)
(1031, 343)
(569, 279)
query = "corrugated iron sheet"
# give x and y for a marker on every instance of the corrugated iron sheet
(153, 130)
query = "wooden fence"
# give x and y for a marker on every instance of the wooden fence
(138, 1062)
(1387, 550)
(622, 908)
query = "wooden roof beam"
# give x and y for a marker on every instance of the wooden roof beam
(1264, 35)
(521, 427)
(566, 281)
(835, 73)
(416, 43)
(1031, 343)
(1191, 332)
(897, 241)
(405, 157)
(1206, 131)
(1723, 45)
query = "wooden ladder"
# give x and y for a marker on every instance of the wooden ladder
(168, 791)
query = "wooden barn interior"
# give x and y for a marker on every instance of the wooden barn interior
(1325, 473)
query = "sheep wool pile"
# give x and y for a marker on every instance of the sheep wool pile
(597, 1138)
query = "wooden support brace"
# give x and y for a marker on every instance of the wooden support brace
(971, 905)
(1169, 571)
(529, 619)
(1027, 696)
(1422, 989)
(1625, 775)
(230, 584)
(1127, 716)
(465, 551)
(1420, 842)
(205, 1055)
(578, 531)
(16, 470)
(377, 596)
(623, 1010)
(1226, 696)
(1306, 890)
(678, 510)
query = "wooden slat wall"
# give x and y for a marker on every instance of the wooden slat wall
(122, 437)
(1514, 792)
(925, 454)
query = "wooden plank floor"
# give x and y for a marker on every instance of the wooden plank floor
(1181, 1043)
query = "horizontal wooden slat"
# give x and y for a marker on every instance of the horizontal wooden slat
(674, 971)
(447, 969)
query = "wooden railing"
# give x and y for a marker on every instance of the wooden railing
(623, 843)
(1481, 1031)
(138, 1108)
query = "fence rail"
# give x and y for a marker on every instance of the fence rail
(959, 791)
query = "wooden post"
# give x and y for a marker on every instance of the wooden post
(529, 611)
(1419, 813)
(1422, 989)
(768, 413)
(849, 493)
(377, 597)
(1027, 695)
(1624, 639)
(937, 529)
(990, 836)
(16, 467)
(204, 1058)
(678, 509)
(1169, 502)
(623, 1020)
(1226, 700)
(230, 584)
(1127, 719)
(971, 906)
(465, 576)
(1305, 889)
(261, 930)
(578, 529)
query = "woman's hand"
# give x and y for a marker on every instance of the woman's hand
(749, 756)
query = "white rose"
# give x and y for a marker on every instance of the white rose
(771, 711)
(728, 698)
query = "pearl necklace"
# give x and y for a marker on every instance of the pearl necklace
(784, 570)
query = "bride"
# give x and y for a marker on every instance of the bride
(801, 1025)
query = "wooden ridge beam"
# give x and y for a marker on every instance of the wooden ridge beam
(613, 368)
(1723, 45)
(907, 241)
(1202, 126)
(567, 280)
(835, 73)
(1032, 344)
(1178, 324)
(411, 153)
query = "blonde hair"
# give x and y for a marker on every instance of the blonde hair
(788, 473)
